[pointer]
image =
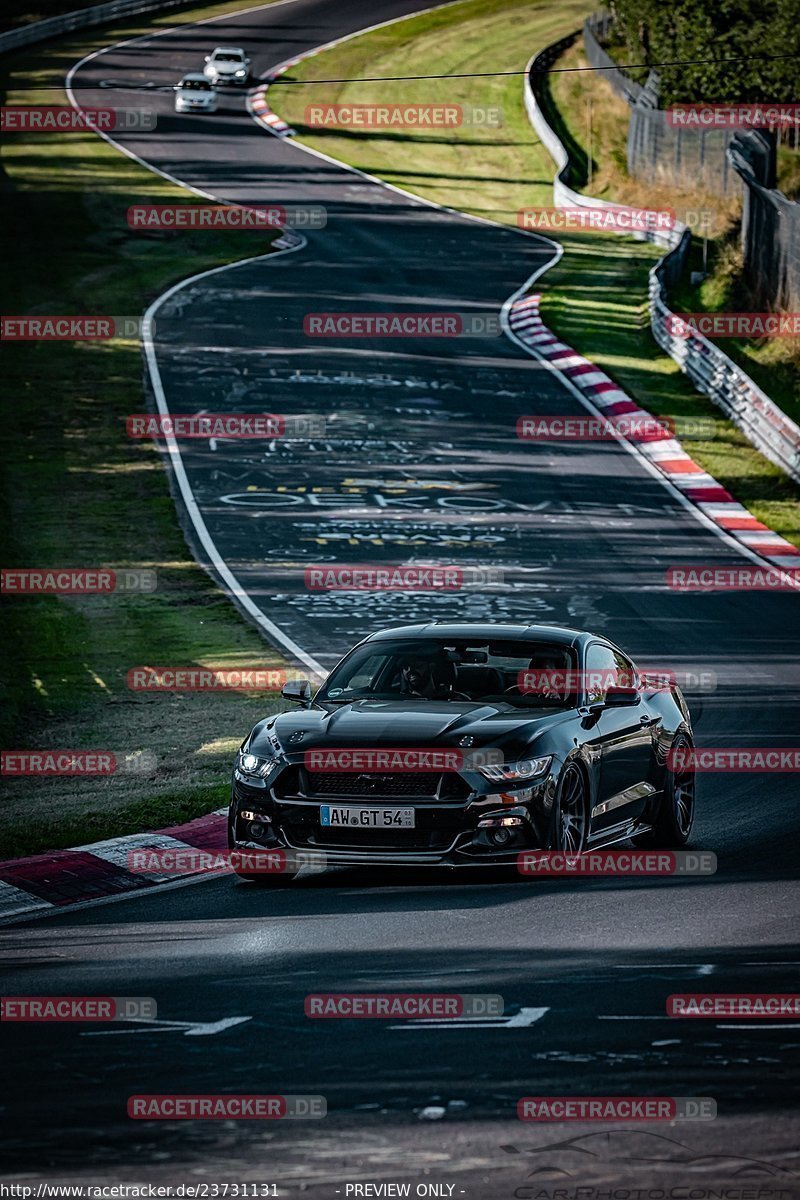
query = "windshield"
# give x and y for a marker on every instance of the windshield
(520, 674)
(195, 85)
(228, 57)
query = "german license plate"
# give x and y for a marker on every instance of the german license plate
(366, 818)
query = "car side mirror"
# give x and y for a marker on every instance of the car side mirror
(247, 62)
(621, 697)
(298, 691)
(207, 58)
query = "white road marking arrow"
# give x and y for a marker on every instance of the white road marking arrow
(190, 1028)
(520, 1020)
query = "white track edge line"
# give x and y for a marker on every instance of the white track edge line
(217, 561)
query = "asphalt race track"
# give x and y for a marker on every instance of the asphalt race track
(420, 463)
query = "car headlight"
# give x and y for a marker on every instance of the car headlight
(526, 768)
(254, 764)
(240, 74)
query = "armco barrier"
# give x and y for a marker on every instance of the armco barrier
(83, 18)
(563, 194)
(710, 370)
(716, 376)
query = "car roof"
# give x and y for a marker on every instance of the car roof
(484, 629)
(194, 76)
(228, 50)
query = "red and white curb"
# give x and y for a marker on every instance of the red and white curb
(666, 455)
(100, 871)
(258, 107)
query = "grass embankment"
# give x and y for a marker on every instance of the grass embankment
(596, 297)
(773, 365)
(25, 12)
(77, 492)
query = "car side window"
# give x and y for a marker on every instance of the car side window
(601, 672)
(627, 675)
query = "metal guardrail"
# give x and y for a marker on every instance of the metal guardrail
(83, 18)
(762, 422)
(715, 375)
(563, 195)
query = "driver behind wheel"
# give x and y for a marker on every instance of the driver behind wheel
(427, 678)
(552, 675)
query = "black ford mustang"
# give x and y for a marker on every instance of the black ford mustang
(458, 745)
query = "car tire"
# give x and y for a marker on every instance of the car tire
(674, 817)
(570, 812)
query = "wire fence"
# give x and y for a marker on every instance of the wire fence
(770, 226)
(657, 150)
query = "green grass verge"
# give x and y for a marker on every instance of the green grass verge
(77, 492)
(25, 12)
(595, 298)
(485, 171)
(95, 821)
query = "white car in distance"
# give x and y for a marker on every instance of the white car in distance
(227, 64)
(194, 93)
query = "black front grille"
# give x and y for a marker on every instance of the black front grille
(342, 783)
(297, 782)
(453, 787)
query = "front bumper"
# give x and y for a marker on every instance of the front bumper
(447, 831)
(228, 81)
